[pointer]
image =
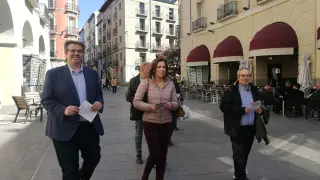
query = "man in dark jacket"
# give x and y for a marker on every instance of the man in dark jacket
(239, 119)
(135, 114)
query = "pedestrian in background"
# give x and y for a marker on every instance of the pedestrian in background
(173, 113)
(135, 114)
(103, 81)
(160, 102)
(114, 84)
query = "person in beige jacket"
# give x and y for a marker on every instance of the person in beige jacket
(157, 104)
(114, 84)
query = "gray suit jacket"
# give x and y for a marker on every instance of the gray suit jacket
(59, 92)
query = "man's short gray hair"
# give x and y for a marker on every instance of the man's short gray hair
(141, 65)
(144, 63)
(242, 68)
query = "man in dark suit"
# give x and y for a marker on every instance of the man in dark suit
(135, 114)
(239, 119)
(64, 90)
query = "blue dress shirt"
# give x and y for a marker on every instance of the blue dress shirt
(247, 99)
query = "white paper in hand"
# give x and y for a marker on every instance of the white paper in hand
(255, 105)
(85, 111)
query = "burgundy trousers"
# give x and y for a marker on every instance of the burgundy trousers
(157, 137)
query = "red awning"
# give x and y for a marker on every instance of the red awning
(199, 56)
(318, 38)
(274, 39)
(228, 50)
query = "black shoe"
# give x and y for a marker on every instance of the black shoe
(170, 143)
(176, 128)
(139, 160)
(234, 178)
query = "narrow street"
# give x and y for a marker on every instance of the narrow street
(201, 151)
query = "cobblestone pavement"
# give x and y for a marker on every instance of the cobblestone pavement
(201, 150)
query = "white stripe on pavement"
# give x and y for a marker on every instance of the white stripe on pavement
(275, 143)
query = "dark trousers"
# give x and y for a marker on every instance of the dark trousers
(106, 86)
(174, 120)
(138, 137)
(174, 123)
(86, 140)
(241, 147)
(114, 89)
(157, 137)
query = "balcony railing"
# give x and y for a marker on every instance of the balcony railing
(53, 28)
(51, 4)
(44, 14)
(199, 24)
(53, 53)
(228, 10)
(34, 3)
(157, 31)
(142, 12)
(115, 31)
(115, 63)
(72, 31)
(171, 47)
(171, 33)
(108, 36)
(141, 60)
(115, 46)
(72, 8)
(157, 14)
(108, 50)
(142, 45)
(157, 47)
(141, 28)
(104, 52)
(171, 18)
(115, 16)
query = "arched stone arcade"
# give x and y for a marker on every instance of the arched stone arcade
(6, 25)
(27, 38)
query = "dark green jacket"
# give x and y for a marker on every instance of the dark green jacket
(134, 83)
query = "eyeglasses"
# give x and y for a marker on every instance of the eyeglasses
(74, 51)
(245, 75)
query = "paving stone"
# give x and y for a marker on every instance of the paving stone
(201, 151)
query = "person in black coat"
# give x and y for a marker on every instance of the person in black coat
(239, 119)
(135, 114)
(173, 113)
(295, 100)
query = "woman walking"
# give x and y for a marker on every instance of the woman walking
(157, 98)
(114, 84)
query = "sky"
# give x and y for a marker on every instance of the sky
(87, 7)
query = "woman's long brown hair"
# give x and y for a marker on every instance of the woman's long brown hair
(154, 65)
